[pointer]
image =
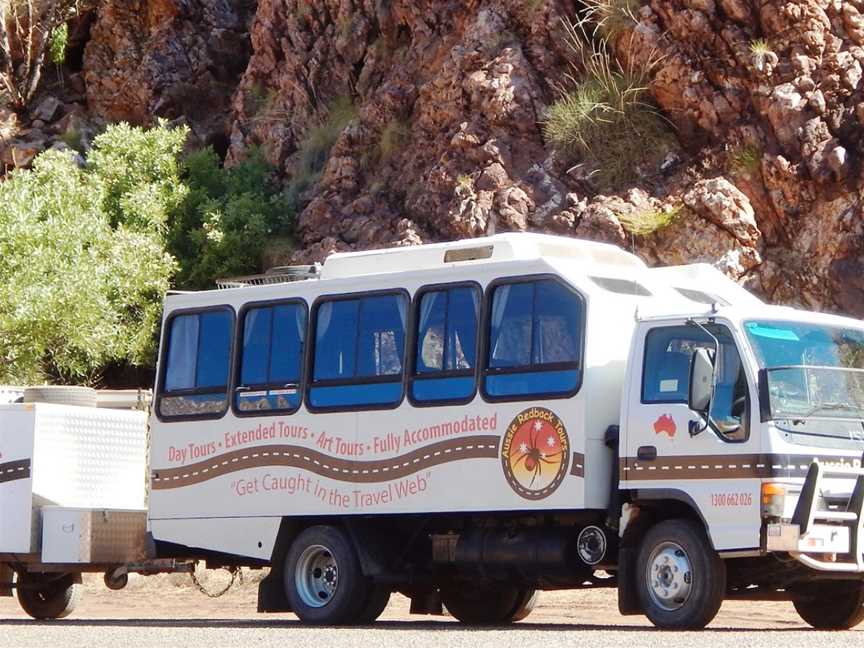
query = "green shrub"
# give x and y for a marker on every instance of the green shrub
(226, 219)
(645, 223)
(86, 253)
(58, 40)
(140, 172)
(78, 290)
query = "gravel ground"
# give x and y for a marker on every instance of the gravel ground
(166, 612)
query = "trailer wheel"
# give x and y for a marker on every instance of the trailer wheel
(489, 604)
(46, 596)
(322, 578)
(681, 579)
(377, 602)
(831, 605)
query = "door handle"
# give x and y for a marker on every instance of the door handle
(646, 453)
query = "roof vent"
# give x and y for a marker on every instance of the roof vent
(278, 275)
(468, 254)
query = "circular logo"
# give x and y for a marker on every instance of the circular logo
(535, 453)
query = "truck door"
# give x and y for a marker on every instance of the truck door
(672, 452)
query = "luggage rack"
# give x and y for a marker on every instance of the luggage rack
(277, 275)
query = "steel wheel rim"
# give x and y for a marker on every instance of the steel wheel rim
(316, 576)
(669, 576)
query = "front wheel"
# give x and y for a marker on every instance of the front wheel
(48, 596)
(323, 581)
(681, 579)
(831, 605)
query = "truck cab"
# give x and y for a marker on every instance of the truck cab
(749, 421)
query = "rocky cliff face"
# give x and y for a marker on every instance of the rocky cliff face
(440, 107)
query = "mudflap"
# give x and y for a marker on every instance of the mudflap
(271, 594)
(628, 595)
(271, 590)
(6, 576)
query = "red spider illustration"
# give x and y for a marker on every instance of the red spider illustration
(533, 456)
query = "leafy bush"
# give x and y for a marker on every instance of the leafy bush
(226, 219)
(57, 43)
(78, 290)
(86, 253)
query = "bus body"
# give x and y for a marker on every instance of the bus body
(471, 422)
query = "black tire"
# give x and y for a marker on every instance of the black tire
(379, 597)
(48, 596)
(322, 578)
(831, 605)
(525, 605)
(488, 604)
(681, 581)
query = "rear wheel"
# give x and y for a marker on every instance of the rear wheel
(681, 579)
(489, 604)
(323, 581)
(831, 605)
(48, 596)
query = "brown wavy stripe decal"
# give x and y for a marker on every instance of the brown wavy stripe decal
(12, 470)
(577, 465)
(729, 466)
(474, 447)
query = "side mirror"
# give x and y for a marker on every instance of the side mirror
(701, 381)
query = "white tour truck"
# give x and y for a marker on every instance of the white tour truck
(471, 422)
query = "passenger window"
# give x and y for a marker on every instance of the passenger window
(666, 375)
(535, 340)
(446, 352)
(197, 364)
(271, 358)
(359, 352)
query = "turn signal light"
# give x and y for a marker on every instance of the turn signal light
(773, 500)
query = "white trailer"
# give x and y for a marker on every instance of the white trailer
(471, 422)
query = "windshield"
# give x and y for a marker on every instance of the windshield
(812, 372)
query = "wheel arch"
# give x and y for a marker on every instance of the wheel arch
(361, 533)
(654, 506)
(657, 505)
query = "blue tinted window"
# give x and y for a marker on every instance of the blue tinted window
(214, 349)
(357, 340)
(256, 346)
(668, 350)
(272, 357)
(381, 335)
(286, 349)
(182, 353)
(535, 338)
(446, 349)
(197, 361)
(336, 339)
(512, 323)
(430, 335)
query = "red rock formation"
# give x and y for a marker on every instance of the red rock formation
(447, 141)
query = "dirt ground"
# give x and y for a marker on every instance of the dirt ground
(174, 597)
